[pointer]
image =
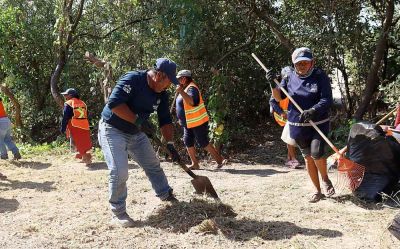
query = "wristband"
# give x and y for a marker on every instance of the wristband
(170, 142)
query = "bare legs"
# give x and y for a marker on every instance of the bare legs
(210, 149)
(291, 152)
(313, 167)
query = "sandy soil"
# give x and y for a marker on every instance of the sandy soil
(55, 202)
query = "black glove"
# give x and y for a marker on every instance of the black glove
(308, 115)
(174, 154)
(270, 76)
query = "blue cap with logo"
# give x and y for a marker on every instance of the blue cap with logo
(168, 67)
(70, 91)
(302, 54)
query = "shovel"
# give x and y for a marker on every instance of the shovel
(352, 171)
(201, 184)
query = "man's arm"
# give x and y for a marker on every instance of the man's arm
(123, 111)
(167, 131)
(67, 115)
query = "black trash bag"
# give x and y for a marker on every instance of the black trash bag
(379, 154)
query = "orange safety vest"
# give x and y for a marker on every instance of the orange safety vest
(79, 119)
(283, 104)
(195, 115)
(2, 110)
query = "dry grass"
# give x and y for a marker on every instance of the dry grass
(54, 202)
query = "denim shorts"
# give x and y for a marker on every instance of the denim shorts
(198, 134)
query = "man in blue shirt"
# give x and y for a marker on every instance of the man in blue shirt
(310, 88)
(123, 128)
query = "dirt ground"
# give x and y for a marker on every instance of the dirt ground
(55, 202)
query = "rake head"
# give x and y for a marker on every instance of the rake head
(350, 174)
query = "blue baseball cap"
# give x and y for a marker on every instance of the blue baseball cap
(168, 67)
(302, 54)
(70, 91)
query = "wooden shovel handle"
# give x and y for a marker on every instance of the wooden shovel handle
(166, 150)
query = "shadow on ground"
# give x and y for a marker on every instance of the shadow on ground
(256, 172)
(103, 166)
(7, 184)
(30, 164)
(359, 202)
(8, 205)
(184, 216)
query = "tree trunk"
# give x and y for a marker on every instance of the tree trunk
(65, 38)
(55, 78)
(373, 79)
(16, 105)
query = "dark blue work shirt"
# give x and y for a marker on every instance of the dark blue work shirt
(313, 91)
(180, 110)
(133, 90)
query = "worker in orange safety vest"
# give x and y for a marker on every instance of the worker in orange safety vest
(75, 124)
(5, 135)
(192, 115)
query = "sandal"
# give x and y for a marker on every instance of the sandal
(197, 167)
(224, 162)
(316, 197)
(294, 164)
(329, 189)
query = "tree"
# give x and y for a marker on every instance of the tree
(381, 46)
(66, 25)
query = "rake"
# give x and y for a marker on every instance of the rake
(350, 173)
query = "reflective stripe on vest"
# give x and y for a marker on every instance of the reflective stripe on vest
(195, 115)
(279, 119)
(2, 110)
(79, 119)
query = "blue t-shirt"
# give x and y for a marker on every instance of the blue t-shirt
(180, 110)
(313, 91)
(133, 89)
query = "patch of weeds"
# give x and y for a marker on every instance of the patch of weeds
(98, 154)
(55, 148)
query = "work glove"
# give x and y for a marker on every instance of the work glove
(270, 76)
(308, 115)
(174, 154)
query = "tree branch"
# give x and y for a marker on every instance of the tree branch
(115, 29)
(248, 42)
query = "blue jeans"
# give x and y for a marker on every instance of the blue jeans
(5, 138)
(116, 145)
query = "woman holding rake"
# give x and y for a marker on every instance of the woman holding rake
(310, 88)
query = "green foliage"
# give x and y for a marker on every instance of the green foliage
(58, 147)
(197, 35)
(340, 131)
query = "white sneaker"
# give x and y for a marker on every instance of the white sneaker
(122, 220)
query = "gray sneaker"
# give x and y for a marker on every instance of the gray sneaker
(122, 220)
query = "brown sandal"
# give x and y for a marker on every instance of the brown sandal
(329, 189)
(316, 197)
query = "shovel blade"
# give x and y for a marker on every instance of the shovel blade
(203, 185)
